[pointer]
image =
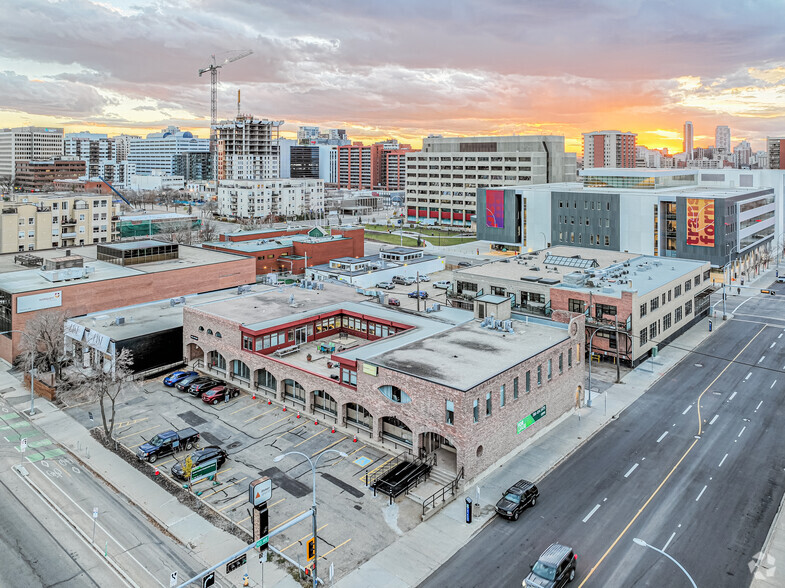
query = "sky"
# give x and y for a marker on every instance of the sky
(402, 69)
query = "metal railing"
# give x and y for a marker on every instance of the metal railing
(451, 487)
(422, 470)
(373, 477)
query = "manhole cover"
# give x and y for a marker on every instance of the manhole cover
(233, 445)
(698, 365)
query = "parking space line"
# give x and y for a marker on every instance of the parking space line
(287, 520)
(290, 430)
(311, 437)
(299, 541)
(203, 479)
(334, 548)
(235, 503)
(348, 455)
(260, 415)
(222, 488)
(136, 433)
(361, 476)
(274, 503)
(131, 422)
(328, 447)
(275, 423)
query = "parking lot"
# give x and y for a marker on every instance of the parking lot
(353, 524)
(401, 293)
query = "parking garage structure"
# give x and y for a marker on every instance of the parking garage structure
(445, 383)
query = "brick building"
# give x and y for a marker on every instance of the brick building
(372, 166)
(442, 383)
(107, 276)
(37, 175)
(289, 250)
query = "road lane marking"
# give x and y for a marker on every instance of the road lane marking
(662, 436)
(716, 416)
(668, 542)
(701, 494)
(779, 336)
(772, 384)
(762, 357)
(748, 376)
(588, 516)
(772, 345)
(722, 461)
(732, 396)
(742, 430)
(686, 410)
(757, 407)
(632, 469)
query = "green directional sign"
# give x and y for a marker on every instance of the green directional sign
(263, 541)
(204, 470)
(529, 420)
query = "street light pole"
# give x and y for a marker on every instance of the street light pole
(32, 357)
(313, 464)
(591, 339)
(642, 543)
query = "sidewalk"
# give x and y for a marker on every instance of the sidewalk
(208, 543)
(432, 543)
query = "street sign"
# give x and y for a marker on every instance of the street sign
(236, 563)
(23, 444)
(208, 580)
(173, 579)
(263, 541)
(260, 491)
(204, 470)
(311, 549)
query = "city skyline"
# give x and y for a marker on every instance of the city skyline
(468, 68)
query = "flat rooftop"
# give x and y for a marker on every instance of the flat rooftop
(253, 245)
(467, 355)
(16, 278)
(376, 262)
(155, 216)
(563, 261)
(306, 228)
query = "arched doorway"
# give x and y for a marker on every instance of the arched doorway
(193, 353)
(446, 454)
(216, 361)
(240, 371)
(264, 379)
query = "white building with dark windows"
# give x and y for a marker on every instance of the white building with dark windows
(263, 199)
(158, 151)
(28, 144)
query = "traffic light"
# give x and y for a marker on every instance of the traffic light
(772, 292)
(311, 548)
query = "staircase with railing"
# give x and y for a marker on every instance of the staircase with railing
(440, 497)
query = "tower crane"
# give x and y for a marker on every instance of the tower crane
(213, 68)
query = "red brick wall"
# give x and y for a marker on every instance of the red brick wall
(84, 298)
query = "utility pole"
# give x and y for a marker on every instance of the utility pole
(418, 291)
(618, 374)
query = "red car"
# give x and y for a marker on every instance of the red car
(393, 302)
(220, 394)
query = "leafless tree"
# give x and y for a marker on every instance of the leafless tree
(102, 383)
(208, 230)
(44, 338)
(7, 184)
(209, 208)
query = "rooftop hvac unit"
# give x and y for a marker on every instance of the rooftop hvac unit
(240, 289)
(120, 320)
(176, 301)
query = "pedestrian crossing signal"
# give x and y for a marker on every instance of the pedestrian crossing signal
(311, 549)
(768, 292)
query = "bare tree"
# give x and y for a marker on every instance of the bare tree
(44, 338)
(102, 383)
(209, 208)
(7, 183)
(207, 231)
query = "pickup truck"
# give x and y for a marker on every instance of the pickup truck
(166, 443)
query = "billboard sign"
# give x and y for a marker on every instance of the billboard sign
(73, 330)
(528, 421)
(700, 222)
(97, 341)
(260, 491)
(39, 301)
(494, 209)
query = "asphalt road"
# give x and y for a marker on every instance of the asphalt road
(694, 467)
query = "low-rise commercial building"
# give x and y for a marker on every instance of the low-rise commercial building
(40, 175)
(366, 272)
(105, 276)
(470, 391)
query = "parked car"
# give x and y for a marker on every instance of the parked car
(519, 496)
(186, 382)
(386, 285)
(393, 302)
(175, 377)
(464, 264)
(403, 280)
(418, 294)
(220, 394)
(425, 278)
(166, 443)
(443, 284)
(555, 568)
(199, 457)
(780, 279)
(199, 387)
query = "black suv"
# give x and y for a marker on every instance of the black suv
(519, 496)
(199, 387)
(186, 382)
(555, 568)
(200, 457)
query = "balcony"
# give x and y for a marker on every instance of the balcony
(69, 235)
(68, 221)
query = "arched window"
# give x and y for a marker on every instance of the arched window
(357, 415)
(240, 370)
(265, 379)
(201, 329)
(395, 394)
(216, 361)
(218, 334)
(325, 402)
(293, 390)
(209, 331)
(396, 430)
